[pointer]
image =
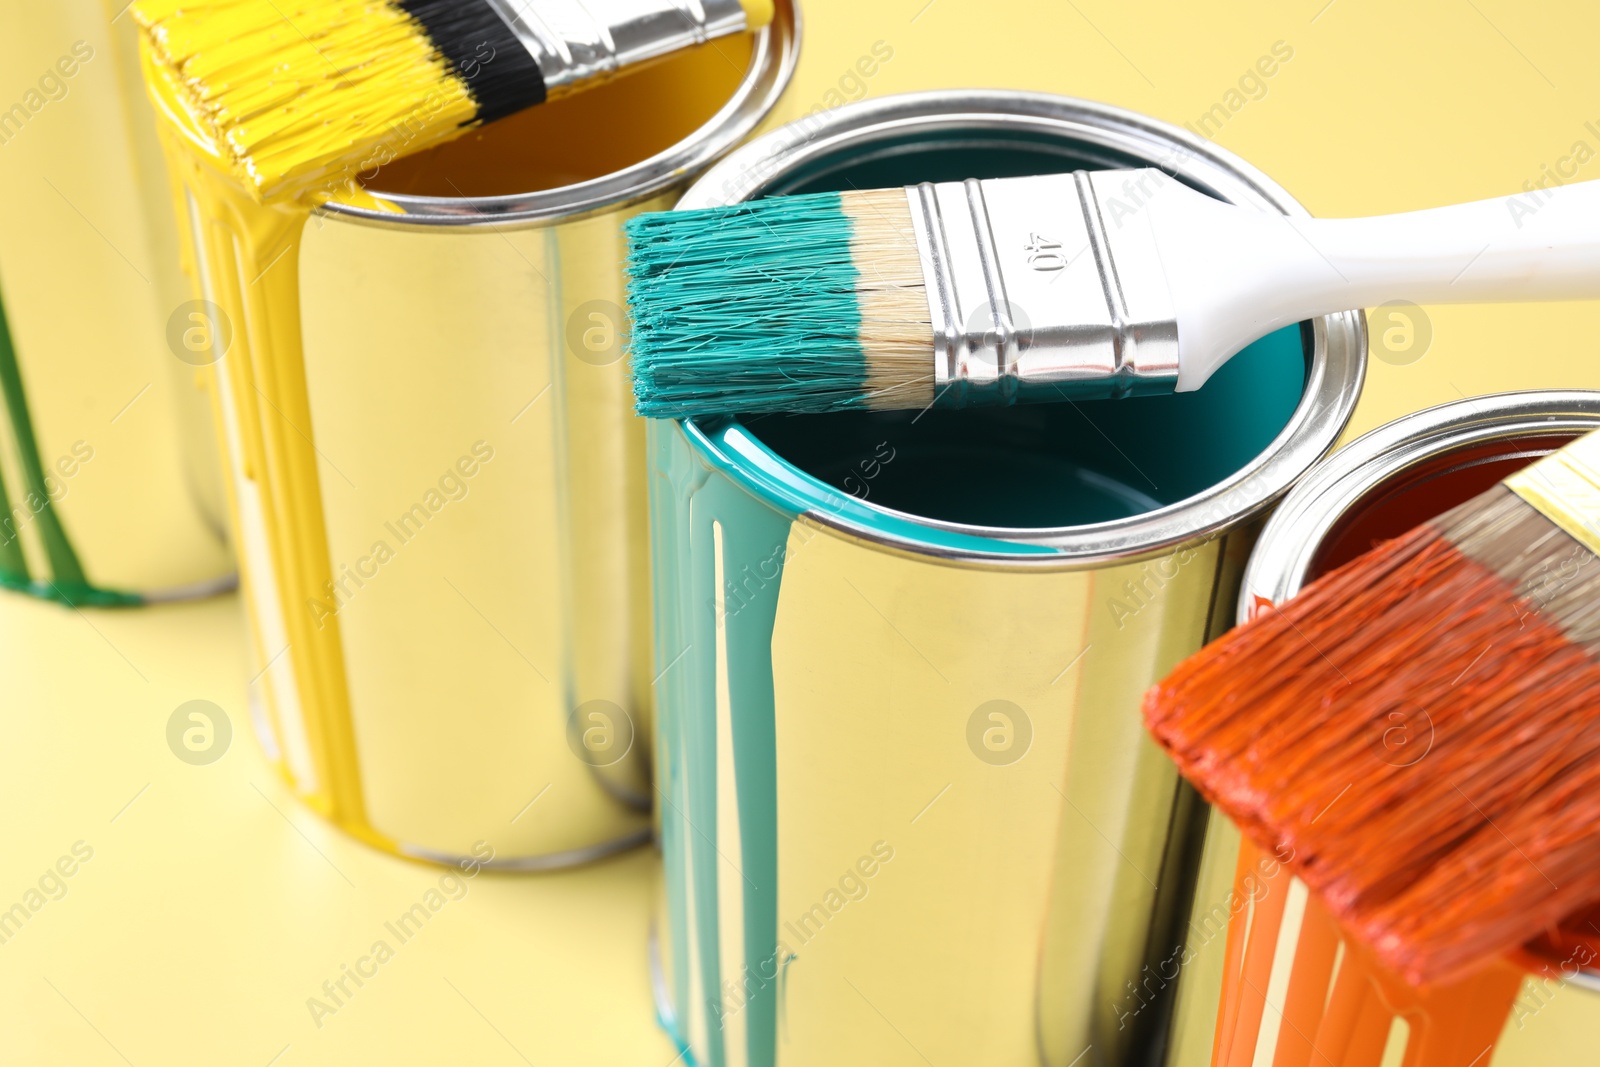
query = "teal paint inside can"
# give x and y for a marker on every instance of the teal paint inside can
(1068, 464)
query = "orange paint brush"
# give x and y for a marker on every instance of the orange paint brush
(1420, 728)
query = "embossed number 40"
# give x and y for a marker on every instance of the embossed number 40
(1043, 253)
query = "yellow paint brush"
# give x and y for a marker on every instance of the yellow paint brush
(305, 94)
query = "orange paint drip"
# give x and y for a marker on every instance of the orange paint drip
(1423, 742)
(1255, 973)
(1233, 961)
(1307, 994)
(1339, 1009)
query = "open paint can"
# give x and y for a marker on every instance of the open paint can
(110, 488)
(908, 809)
(1259, 965)
(437, 476)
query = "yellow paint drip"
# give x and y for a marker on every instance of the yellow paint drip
(302, 96)
(247, 260)
(314, 669)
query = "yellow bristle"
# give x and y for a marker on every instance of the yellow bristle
(896, 326)
(288, 89)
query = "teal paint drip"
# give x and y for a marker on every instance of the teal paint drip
(754, 546)
(731, 480)
(674, 476)
(690, 496)
(767, 312)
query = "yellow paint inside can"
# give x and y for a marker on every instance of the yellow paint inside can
(294, 516)
(299, 95)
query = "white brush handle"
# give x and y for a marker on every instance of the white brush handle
(1237, 274)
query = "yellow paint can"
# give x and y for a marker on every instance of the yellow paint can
(436, 476)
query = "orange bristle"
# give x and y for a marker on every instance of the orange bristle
(1421, 736)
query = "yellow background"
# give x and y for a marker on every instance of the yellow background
(214, 906)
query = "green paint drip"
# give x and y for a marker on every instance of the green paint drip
(67, 583)
(64, 563)
(13, 564)
(744, 309)
(73, 596)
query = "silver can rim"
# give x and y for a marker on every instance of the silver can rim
(1281, 560)
(1339, 345)
(772, 65)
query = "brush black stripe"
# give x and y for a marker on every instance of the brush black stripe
(502, 77)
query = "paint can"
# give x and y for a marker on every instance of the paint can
(908, 812)
(437, 477)
(110, 487)
(1377, 487)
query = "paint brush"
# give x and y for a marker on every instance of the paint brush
(1419, 727)
(301, 94)
(1110, 283)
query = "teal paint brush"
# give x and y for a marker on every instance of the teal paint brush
(766, 306)
(1111, 283)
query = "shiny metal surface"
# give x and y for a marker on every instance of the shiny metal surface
(772, 63)
(577, 41)
(1031, 291)
(876, 129)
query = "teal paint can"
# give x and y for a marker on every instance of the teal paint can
(906, 807)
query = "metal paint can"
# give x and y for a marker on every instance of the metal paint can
(908, 811)
(449, 595)
(1375, 488)
(110, 487)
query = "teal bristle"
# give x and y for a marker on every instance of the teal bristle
(745, 309)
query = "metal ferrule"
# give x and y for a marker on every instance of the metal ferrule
(577, 41)
(1035, 289)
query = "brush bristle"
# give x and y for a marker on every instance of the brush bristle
(1419, 729)
(302, 94)
(796, 303)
